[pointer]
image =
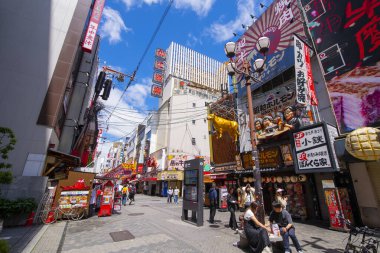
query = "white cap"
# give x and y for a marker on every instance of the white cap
(280, 190)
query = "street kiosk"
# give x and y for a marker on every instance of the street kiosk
(106, 205)
(193, 192)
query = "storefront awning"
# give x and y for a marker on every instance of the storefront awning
(150, 179)
(56, 160)
(218, 176)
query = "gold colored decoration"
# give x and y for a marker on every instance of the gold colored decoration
(364, 143)
(223, 125)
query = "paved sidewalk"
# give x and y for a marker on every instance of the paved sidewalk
(157, 227)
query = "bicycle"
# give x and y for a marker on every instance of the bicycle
(367, 245)
(74, 213)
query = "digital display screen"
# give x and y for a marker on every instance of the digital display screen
(191, 177)
(191, 193)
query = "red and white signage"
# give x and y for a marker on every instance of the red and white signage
(309, 138)
(304, 77)
(93, 25)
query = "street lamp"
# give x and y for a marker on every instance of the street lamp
(262, 46)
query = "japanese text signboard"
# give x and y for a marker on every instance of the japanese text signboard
(313, 150)
(278, 24)
(304, 78)
(346, 36)
(156, 91)
(92, 28)
(269, 158)
(309, 138)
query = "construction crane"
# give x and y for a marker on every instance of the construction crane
(120, 76)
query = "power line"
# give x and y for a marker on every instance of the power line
(144, 54)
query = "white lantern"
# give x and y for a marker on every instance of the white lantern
(229, 49)
(263, 44)
(258, 65)
(231, 68)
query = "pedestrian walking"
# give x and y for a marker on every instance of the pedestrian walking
(284, 221)
(281, 198)
(170, 195)
(256, 232)
(248, 196)
(176, 194)
(124, 192)
(132, 192)
(213, 196)
(232, 206)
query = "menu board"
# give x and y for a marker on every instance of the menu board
(70, 199)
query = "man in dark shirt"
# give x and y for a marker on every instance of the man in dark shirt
(213, 196)
(283, 219)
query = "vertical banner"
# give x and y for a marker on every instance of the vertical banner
(93, 26)
(301, 71)
(304, 76)
(333, 204)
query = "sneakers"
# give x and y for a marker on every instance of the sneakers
(287, 251)
(300, 251)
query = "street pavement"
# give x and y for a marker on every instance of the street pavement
(157, 227)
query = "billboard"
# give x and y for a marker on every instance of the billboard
(277, 112)
(92, 28)
(279, 22)
(346, 37)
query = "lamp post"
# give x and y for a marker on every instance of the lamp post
(247, 73)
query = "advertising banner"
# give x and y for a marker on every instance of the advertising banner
(92, 28)
(304, 77)
(278, 23)
(270, 158)
(346, 37)
(333, 205)
(278, 112)
(312, 149)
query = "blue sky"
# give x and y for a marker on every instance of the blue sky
(126, 27)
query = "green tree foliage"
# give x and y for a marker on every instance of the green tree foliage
(7, 144)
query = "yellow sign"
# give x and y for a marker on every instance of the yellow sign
(364, 143)
(129, 166)
(170, 175)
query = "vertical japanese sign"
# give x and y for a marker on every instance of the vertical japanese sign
(304, 77)
(278, 23)
(158, 74)
(93, 25)
(313, 150)
(332, 202)
(301, 71)
(346, 36)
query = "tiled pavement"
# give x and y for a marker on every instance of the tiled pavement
(157, 227)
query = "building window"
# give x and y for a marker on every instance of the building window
(193, 121)
(193, 141)
(194, 105)
(205, 120)
(204, 137)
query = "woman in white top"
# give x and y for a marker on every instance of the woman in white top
(256, 232)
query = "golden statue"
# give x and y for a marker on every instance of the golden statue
(223, 125)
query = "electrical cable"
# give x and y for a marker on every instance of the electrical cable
(144, 54)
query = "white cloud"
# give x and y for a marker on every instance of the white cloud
(130, 111)
(201, 7)
(193, 40)
(113, 25)
(221, 32)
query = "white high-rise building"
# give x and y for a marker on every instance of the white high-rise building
(191, 80)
